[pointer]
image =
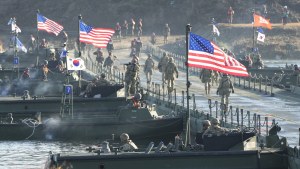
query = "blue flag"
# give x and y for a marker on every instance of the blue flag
(64, 52)
(19, 45)
(11, 21)
(260, 30)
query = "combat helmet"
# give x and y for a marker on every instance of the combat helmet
(206, 123)
(215, 121)
(124, 137)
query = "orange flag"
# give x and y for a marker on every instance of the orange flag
(260, 21)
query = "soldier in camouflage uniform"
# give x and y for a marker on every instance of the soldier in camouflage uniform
(224, 89)
(166, 33)
(205, 125)
(162, 65)
(215, 78)
(102, 81)
(88, 89)
(148, 69)
(131, 76)
(109, 63)
(99, 57)
(206, 78)
(170, 71)
(127, 144)
(215, 128)
(138, 46)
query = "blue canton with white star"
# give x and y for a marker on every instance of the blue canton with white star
(85, 28)
(200, 44)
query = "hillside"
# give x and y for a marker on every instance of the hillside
(155, 13)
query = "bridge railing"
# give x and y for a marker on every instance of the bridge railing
(232, 117)
(176, 100)
(255, 82)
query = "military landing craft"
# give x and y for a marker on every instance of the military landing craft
(238, 148)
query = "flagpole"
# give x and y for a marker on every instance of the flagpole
(15, 47)
(37, 38)
(78, 42)
(188, 84)
(79, 51)
(253, 45)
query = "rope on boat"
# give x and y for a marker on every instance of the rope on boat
(31, 123)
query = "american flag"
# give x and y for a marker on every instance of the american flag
(48, 25)
(204, 54)
(98, 37)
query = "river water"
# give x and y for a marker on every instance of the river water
(281, 63)
(33, 154)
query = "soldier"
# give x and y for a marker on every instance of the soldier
(205, 125)
(45, 70)
(285, 15)
(60, 66)
(10, 118)
(206, 78)
(215, 78)
(109, 63)
(32, 44)
(215, 128)
(118, 31)
(138, 46)
(162, 65)
(148, 69)
(102, 81)
(99, 56)
(166, 33)
(110, 46)
(249, 60)
(125, 28)
(132, 26)
(88, 89)
(296, 70)
(140, 28)
(259, 64)
(153, 38)
(131, 76)
(25, 75)
(230, 14)
(170, 71)
(44, 43)
(224, 89)
(127, 144)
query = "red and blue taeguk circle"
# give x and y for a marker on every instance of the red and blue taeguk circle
(76, 62)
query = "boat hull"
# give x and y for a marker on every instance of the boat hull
(50, 106)
(156, 130)
(179, 160)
